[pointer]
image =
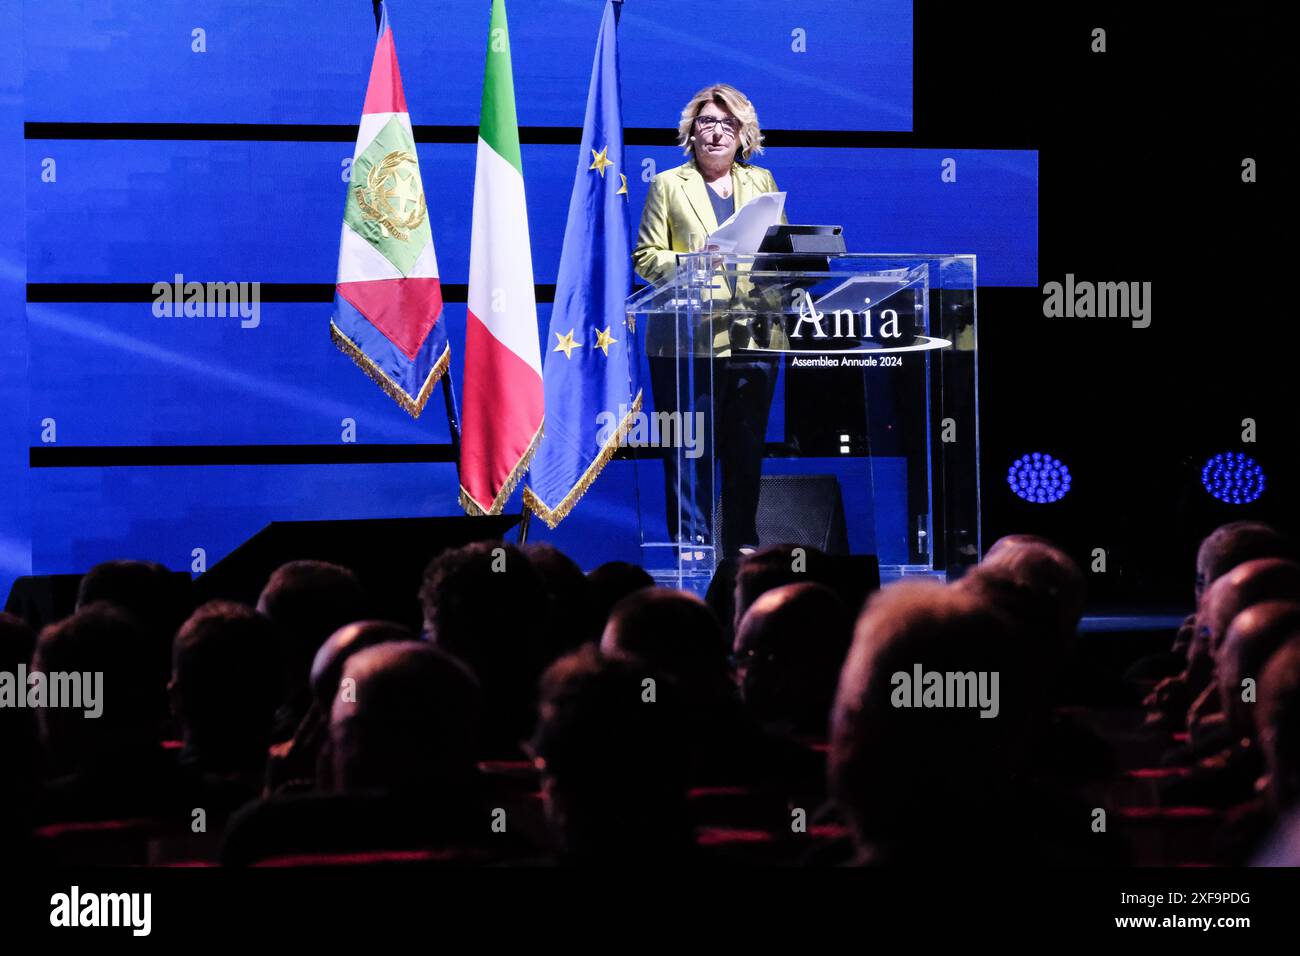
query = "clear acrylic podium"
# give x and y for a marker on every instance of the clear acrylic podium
(869, 361)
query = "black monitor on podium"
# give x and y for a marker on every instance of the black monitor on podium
(808, 247)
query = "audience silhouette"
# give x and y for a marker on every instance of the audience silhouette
(547, 716)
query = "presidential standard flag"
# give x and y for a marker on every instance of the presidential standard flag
(388, 302)
(502, 409)
(590, 370)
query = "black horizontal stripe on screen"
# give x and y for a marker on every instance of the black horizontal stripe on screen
(528, 135)
(306, 292)
(156, 456)
(116, 456)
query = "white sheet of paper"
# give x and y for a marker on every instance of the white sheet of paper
(744, 230)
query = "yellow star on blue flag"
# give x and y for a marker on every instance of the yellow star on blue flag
(566, 344)
(599, 161)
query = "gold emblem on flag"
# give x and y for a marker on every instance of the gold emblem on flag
(391, 185)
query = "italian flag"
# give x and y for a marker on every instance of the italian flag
(388, 300)
(502, 414)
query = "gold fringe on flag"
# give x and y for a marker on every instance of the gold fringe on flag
(413, 407)
(472, 507)
(553, 516)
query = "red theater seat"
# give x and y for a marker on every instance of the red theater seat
(769, 847)
(139, 841)
(97, 842)
(1141, 787)
(447, 856)
(1169, 836)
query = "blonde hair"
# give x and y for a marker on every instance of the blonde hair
(734, 102)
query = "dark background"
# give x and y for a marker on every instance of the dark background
(1141, 151)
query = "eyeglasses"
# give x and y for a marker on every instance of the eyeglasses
(707, 123)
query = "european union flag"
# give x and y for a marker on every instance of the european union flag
(589, 369)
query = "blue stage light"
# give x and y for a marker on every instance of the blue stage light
(1233, 477)
(1038, 478)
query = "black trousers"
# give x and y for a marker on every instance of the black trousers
(737, 418)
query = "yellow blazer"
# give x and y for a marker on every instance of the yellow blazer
(676, 209)
(678, 206)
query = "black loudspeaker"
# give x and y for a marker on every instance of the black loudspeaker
(388, 556)
(797, 509)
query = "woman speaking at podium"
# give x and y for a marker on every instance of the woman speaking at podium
(719, 131)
